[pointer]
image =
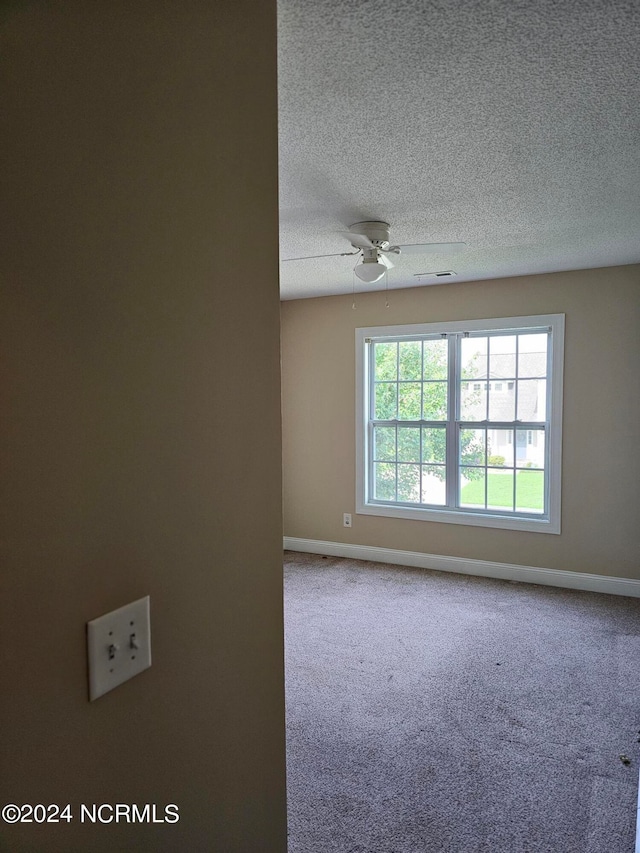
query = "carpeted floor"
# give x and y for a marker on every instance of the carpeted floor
(430, 712)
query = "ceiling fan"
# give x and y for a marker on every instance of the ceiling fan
(371, 240)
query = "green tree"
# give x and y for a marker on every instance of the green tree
(411, 385)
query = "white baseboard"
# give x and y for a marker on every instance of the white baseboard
(464, 566)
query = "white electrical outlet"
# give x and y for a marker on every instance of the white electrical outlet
(346, 519)
(118, 646)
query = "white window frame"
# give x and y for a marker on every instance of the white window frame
(550, 522)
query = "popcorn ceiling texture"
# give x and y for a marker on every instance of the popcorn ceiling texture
(511, 126)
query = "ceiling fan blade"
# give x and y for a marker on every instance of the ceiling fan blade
(311, 257)
(432, 248)
(358, 240)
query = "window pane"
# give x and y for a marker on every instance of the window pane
(385, 481)
(384, 444)
(472, 447)
(434, 444)
(409, 483)
(473, 401)
(434, 407)
(530, 491)
(436, 357)
(386, 361)
(502, 404)
(386, 403)
(472, 483)
(500, 448)
(500, 490)
(532, 355)
(410, 360)
(496, 408)
(530, 448)
(532, 400)
(502, 357)
(409, 401)
(434, 487)
(474, 358)
(408, 444)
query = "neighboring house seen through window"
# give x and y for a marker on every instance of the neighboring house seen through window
(461, 422)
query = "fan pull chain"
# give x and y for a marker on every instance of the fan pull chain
(386, 289)
(353, 277)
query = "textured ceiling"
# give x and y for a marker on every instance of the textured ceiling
(510, 125)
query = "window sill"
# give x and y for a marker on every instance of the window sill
(472, 519)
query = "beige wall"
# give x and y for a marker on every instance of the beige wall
(601, 469)
(141, 419)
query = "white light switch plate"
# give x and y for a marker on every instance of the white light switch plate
(118, 646)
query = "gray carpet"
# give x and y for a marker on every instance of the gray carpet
(431, 712)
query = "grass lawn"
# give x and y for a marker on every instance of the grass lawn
(529, 490)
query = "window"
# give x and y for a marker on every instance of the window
(461, 422)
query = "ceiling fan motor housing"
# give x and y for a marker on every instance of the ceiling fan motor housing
(377, 232)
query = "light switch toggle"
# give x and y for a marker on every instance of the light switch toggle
(133, 643)
(112, 651)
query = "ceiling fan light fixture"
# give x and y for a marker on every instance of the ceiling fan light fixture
(373, 266)
(370, 271)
